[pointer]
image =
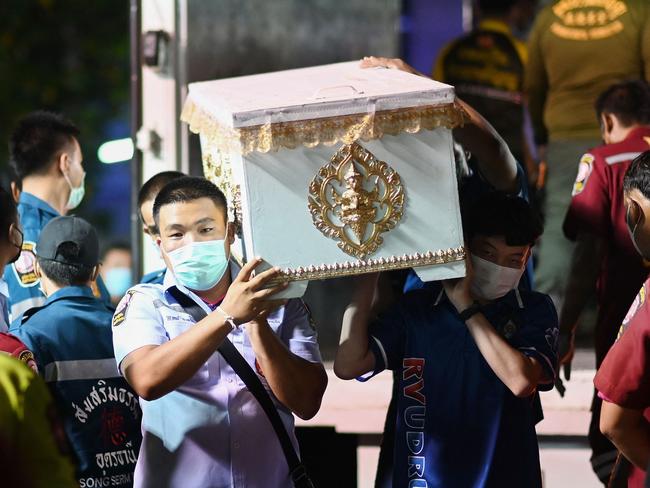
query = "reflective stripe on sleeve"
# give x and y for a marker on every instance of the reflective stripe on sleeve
(85, 369)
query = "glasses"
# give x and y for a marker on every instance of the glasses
(16, 232)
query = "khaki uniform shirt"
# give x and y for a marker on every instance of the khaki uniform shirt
(576, 50)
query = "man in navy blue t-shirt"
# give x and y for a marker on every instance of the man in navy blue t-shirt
(471, 354)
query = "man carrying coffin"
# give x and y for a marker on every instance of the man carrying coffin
(471, 354)
(202, 426)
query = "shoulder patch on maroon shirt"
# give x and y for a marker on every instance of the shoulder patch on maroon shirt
(585, 167)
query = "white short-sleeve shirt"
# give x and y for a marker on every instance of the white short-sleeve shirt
(210, 432)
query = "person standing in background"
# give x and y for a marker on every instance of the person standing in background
(146, 197)
(32, 449)
(486, 67)
(116, 270)
(47, 159)
(623, 380)
(11, 242)
(604, 257)
(71, 338)
(565, 73)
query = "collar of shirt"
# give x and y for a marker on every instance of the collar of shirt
(638, 133)
(71, 291)
(4, 288)
(516, 293)
(33, 201)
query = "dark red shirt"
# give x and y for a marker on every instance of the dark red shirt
(624, 376)
(597, 208)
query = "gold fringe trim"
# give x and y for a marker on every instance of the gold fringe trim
(328, 131)
(348, 268)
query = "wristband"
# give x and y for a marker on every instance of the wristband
(470, 311)
(229, 318)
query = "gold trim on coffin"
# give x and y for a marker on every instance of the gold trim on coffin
(355, 198)
(348, 268)
(328, 130)
(220, 173)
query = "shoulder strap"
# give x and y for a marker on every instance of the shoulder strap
(254, 385)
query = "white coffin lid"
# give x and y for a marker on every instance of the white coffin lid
(308, 93)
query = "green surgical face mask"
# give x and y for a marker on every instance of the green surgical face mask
(199, 265)
(76, 194)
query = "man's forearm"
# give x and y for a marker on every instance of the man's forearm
(353, 357)
(154, 371)
(296, 382)
(494, 158)
(629, 431)
(517, 371)
(585, 266)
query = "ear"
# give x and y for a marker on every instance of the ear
(230, 232)
(529, 253)
(37, 270)
(608, 122)
(63, 163)
(95, 273)
(636, 212)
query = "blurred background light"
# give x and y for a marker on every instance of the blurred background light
(115, 151)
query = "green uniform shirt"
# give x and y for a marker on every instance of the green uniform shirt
(576, 50)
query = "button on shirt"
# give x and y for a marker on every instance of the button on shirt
(209, 432)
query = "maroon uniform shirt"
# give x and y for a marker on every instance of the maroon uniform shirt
(624, 376)
(597, 208)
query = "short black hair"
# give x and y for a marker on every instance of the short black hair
(496, 7)
(116, 246)
(8, 213)
(637, 176)
(187, 189)
(153, 185)
(629, 101)
(36, 140)
(66, 274)
(500, 214)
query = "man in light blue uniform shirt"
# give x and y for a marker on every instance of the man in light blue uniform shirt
(146, 197)
(201, 425)
(47, 159)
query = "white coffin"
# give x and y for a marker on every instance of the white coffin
(271, 142)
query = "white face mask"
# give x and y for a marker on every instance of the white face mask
(76, 193)
(492, 281)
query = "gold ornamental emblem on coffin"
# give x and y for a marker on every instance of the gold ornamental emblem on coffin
(355, 198)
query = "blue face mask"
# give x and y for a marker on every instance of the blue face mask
(199, 265)
(118, 281)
